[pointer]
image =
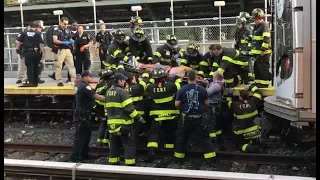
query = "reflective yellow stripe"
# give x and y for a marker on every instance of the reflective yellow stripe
(265, 82)
(100, 102)
(209, 155)
(157, 54)
(254, 89)
(184, 61)
(141, 112)
(133, 114)
(120, 121)
(255, 51)
(125, 59)
(220, 70)
(204, 63)
(266, 34)
(252, 128)
(243, 41)
(265, 45)
(165, 60)
(177, 83)
(245, 116)
(200, 73)
(244, 147)
(229, 98)
(163, 100)
(126, 102)
(134, 99)
(146, 75)
(116, 52)
(239, 77)
(106, 64)
(99, 140)
(164, 118)
(211, 73)
(229, 80)
(152, 144)
(164, 112)
(179, 155)
(250, 74)
(114, 160)
(257, 95)
(150, 58)
(169, 146)
(218, 132)
(129, 161)
(229, 104)
(105, 141)
(143, 84)
(215, 64)
(120, 66)
(258, 38)
(99, 89)
(137, 58)
(212, 134)
(257, 81)
(254, 137)
(240, 63)
(152, 80)
(115, 130)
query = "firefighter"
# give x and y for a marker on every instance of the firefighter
(243, 44)
(192, 58)
(81, 117)
(21, 63)
(135, 22)
(261, 49)
(82, 43)
(101, 88)
(245, 111)
(163, 111)
(33, 51)
(104, 38)
(118, 51)
(230, 64)
(136, 90)
(140, 47)
(168, 53)
(213, 61)
(121, 117)
(191, 100)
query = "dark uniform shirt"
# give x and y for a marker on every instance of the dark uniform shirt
(104, 39)
(261, 39)
(84, 97)
(141, 49)
(63, 35)
(192, 97)
(81, 41)
(31, 40)
(164, 55)
(17, 38)
(242, 38)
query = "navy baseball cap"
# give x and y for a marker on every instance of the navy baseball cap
(86, 73)
(119, 76)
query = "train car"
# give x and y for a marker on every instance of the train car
(293, 107)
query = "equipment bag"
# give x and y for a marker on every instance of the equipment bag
(49, 34)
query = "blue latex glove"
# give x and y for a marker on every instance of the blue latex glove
(66, 43)
(176, 56)
(230, 90)
(71, 41)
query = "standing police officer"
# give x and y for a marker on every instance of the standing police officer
(104, 38)
(21, 65)
(85, 97)
(33, 46)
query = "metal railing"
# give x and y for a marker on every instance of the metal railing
(202, 31)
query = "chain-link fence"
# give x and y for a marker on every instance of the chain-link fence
(202, 31)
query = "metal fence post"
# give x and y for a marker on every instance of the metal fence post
(203, 39)
(9, 52)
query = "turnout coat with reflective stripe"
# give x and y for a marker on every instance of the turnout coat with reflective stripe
(120, 109)
(136, 91)
(116, 53)
(261, 39)
(244, 112)
(231, 56)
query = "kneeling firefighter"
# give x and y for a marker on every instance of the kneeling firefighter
(245, 110)
(162, 92)
(101, 89)
(120, 120)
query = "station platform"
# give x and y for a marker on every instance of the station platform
(50, 88)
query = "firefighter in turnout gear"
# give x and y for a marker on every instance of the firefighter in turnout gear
(101, 88)
(213, 60)
(192, 99)
(168, 53)
(135, 23)
(245, 111)
(230, 65)
(162, 92)
(243, 44)
(121, 117)
(136, 90)
(118, 51)
(192, 58)
(261, 49)
(140, 47)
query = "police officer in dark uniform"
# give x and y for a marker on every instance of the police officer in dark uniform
(82, 43)
(140, 47)
(85, 97)
(22, 65)
(168, 53)
(121, 117)
(104, 38)
(118, 51)
(192, 100)
(247, 133)
(33, 47)
(193, 58)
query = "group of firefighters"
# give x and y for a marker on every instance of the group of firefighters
(128, 105)
(171, 110)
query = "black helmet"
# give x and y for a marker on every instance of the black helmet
(172, 40)
(192, 49)
(38, 23)
(136, 21)
(241, 20)
(138, 35)
(119, 36)
(158, 73)
(106, 74)
(257, 13)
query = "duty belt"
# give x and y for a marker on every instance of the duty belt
(192, 115)
(32, 49)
